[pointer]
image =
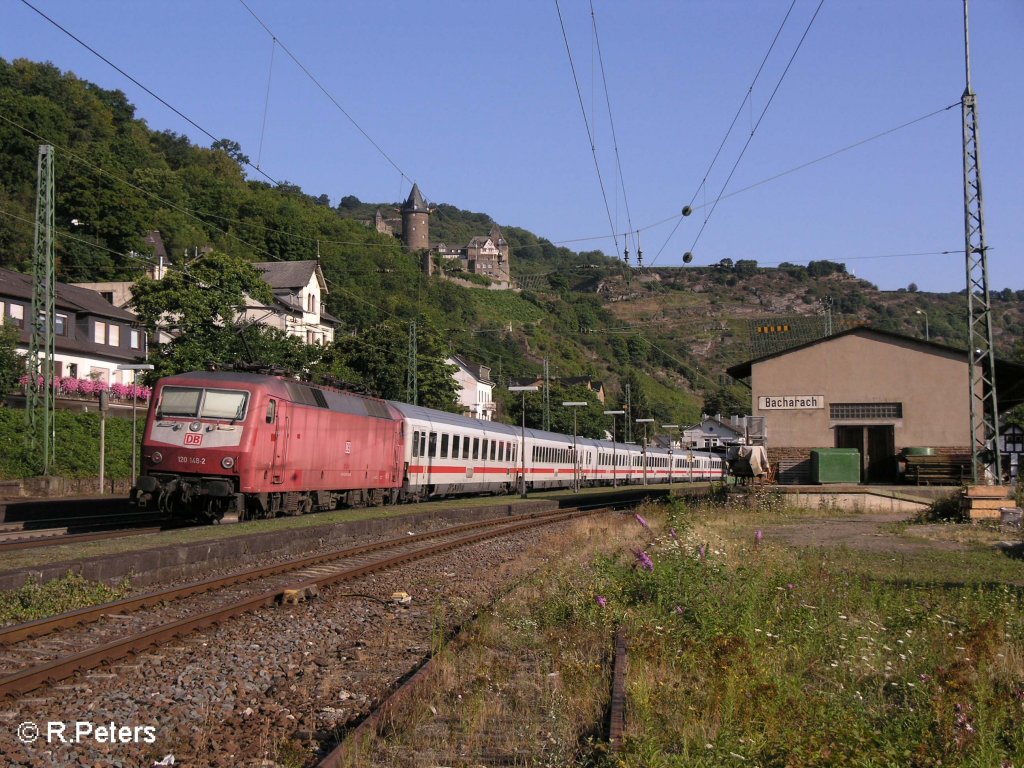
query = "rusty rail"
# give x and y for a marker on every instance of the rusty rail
(617, 718)
(33, 677)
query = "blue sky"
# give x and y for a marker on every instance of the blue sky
(476, 102)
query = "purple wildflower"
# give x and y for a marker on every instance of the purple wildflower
(644, 559)
(758, 535)
(679, 609)
(601, 600)
(702, 552)
(675, 535)
(790, 586)
(640, 519)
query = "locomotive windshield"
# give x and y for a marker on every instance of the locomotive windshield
(197, 402)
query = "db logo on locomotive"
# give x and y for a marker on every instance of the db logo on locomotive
(193, 439)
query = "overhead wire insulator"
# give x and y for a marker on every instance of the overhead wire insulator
(625, 255)
(687, 210)
(687, 257)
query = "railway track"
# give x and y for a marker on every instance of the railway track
(36, 653)
(14, 538)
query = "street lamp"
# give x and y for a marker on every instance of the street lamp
(671, 460)
(522, 441)
(135, 368)
(575, 458)
(615, 463)
(927, 335)
(645, 422)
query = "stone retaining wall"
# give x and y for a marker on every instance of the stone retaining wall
(196, 560)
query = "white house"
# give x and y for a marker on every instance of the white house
(475, 388)
(299, 288)
(92, 337)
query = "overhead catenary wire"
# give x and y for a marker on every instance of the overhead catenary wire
(611, 120)
(753, 130)
(174, 109)
(326, 93)
(802, 166)
(739, 110)
(266, 101)
(586, 124)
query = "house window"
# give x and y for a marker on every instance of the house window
(99, 333)
(18, 315)
(135, 339)
(847, 411)
(60, 325)
(311, 302)
(114, 335)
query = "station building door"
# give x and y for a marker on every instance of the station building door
(877, 446)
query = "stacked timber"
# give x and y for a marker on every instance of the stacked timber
(984, 502)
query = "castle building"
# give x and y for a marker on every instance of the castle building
(483, 255)
(415, 221)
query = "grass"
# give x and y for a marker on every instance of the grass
(744, 650)
(770, 655)
(35, 601)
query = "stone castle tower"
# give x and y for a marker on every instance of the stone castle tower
(415, 221)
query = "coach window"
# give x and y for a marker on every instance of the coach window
(271, 411)
(444, 446)
(465, 447)
(416, 444)
(494, 450)
(483, 449)
(476, 448)
(455, 446)
(423, 443)
(433, 444)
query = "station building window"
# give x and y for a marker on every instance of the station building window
(848, 411)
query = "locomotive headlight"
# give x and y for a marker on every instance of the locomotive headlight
(227, 462)
(156, 457)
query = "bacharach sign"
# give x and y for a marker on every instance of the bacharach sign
(790, 402)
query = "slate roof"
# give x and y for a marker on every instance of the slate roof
(81, 302)
(415, 203)
(69, 297)
(288, 274)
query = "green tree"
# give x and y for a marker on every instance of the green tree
(12, 365)
(727, 402)
(199, 304)
(377, 358)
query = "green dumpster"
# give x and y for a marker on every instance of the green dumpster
(835, 465)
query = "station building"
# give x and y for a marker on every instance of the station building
(872, 390)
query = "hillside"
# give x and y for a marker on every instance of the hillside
(670, 333)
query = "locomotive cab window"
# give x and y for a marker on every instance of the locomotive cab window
(271, 411)
(196, 402)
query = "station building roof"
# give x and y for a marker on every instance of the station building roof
(1009, 376)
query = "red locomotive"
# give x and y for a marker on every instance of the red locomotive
(257, 446)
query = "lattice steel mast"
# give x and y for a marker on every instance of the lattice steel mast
(980, 353)
(39, 401)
